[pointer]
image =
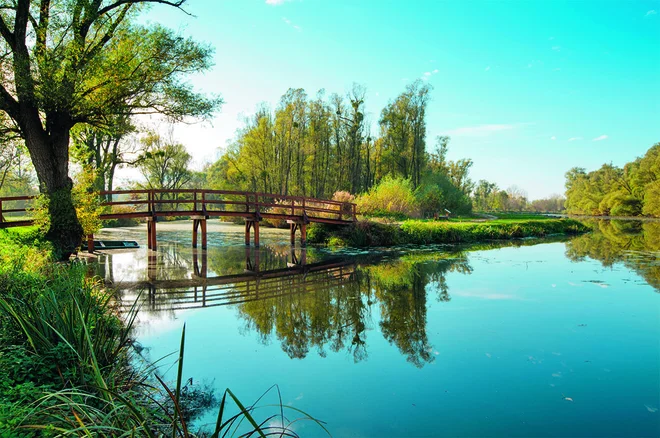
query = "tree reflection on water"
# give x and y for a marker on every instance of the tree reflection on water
(636, 244)
(307, 302)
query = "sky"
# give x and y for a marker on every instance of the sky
(526, 89)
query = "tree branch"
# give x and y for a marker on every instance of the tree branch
(177, 4)
(42, 27)
(9, 104)
(6, 33)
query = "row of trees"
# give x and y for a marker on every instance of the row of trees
(315, 147)
(488, 196)
(629, 191)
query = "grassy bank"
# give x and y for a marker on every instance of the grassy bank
(373, 234)
(68, 363)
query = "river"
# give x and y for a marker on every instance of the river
(529, 338)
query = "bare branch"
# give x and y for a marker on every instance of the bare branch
(177, 4)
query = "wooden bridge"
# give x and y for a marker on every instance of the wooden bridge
(201, 205)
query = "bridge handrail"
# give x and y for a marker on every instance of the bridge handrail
(254, 202)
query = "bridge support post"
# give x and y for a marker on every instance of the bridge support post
(151, 233)
(90, 243)
(199, 222)
(252, 224)
(302, 226)
(251, 263)
(200, 271)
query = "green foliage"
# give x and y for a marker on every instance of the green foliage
(403, 124)
(87, 201)
(652, 199)
(166, 164)
(80, 62)
(390, 196)
(614, 191)
(373, 234)
(55, 215)
(438, 193)
(47, 210)
(615, 241)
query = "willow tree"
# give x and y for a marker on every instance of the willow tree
(70, 62)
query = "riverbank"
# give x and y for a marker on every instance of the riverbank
(67, 358)
(420, 232)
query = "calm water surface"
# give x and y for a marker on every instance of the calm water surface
(534, 338)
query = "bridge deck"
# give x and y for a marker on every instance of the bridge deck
(200, 205)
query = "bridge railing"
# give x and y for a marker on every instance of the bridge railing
(15, 211)
(162, 202)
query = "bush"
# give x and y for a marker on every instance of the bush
(346, 198)
(437, 193)
(392, 196)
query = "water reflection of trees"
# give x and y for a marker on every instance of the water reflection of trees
(339, 318)
(636, 244)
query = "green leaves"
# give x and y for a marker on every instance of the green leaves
(610, 190)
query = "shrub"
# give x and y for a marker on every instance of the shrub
(390, 196)
(437, 193)
(346, 198)
(87, 201)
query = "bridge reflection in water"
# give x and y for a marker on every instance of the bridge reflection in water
(299, 299)
(258, 281)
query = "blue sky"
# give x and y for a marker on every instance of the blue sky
(526, 89)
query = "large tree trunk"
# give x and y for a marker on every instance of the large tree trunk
(50, 156)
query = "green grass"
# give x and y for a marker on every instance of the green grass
(372, 234)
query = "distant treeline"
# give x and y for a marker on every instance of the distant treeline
(633, 190)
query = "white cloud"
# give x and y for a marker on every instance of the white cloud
(651, 12)
(487, 68)
(276, 2)
(553, 138)
(428, 74)
(600, 137)
(551, 38)
(574, 138)
(480, 130)
(556, 48)
(291, 24)
(556, 69)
